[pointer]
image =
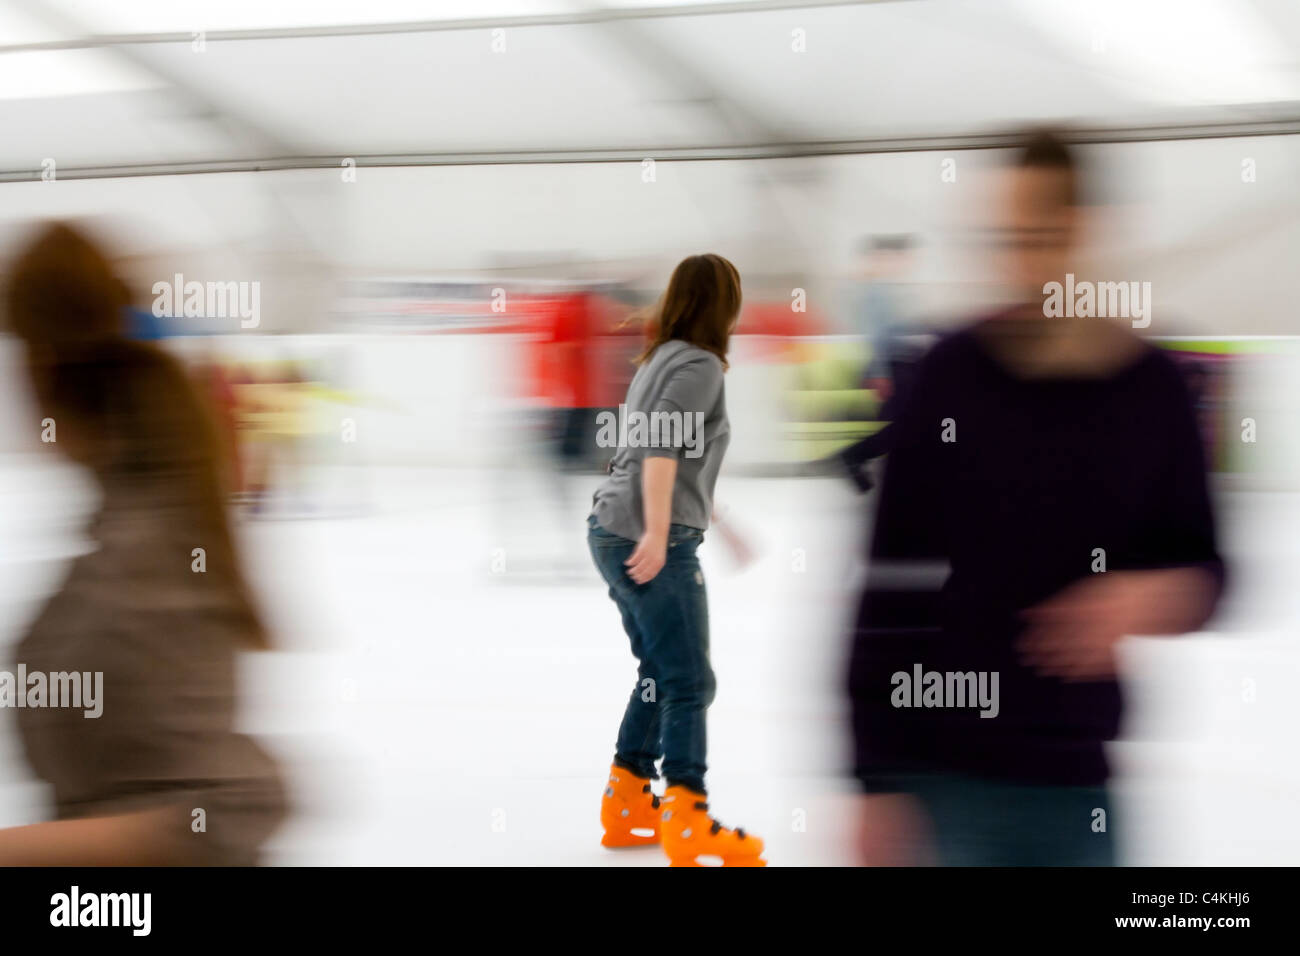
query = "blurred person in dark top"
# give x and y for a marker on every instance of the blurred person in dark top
(162, 621)
(905, 354)
(1044, 496)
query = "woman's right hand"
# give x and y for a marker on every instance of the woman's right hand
(658, 477)
(648, 558)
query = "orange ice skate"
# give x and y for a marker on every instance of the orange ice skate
(629, 811)
(692, 838)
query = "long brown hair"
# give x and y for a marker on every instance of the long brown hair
(700, 306)
(125, 409)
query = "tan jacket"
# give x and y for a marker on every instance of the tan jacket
(166, 639)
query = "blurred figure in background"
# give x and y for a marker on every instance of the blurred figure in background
(272, 413)
(894, 342)
(1044, 496)
(573, 333)
(880, 305)
(160, 609)
(213, 379)
(647, 520)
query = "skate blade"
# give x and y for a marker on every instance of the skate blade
(735, 861)
(619, 841)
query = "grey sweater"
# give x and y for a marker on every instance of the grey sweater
(676, 408)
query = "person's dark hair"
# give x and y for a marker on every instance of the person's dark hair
(1048, 149)
(125, 409)
(63, 292)
(699, 306)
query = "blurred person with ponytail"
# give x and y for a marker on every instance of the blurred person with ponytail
(648, 518)
(162, 621)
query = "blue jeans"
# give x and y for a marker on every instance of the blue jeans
(667, 621)
(982, 822)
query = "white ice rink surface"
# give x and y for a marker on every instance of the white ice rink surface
(450, 674)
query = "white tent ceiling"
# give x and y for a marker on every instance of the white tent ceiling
(105, 86)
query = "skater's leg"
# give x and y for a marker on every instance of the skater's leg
(629, 809)
(673, 616)
(638, 747)
(670, 621)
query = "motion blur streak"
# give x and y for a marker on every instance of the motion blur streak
(309, 470)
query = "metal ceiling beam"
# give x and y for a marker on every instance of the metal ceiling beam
(1283, 126)
(576, 17)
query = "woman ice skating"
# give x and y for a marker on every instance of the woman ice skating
(132, 786)
(648, 519)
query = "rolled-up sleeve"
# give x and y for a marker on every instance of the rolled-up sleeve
(693, 390)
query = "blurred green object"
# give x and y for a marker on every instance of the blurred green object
(826, 408)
